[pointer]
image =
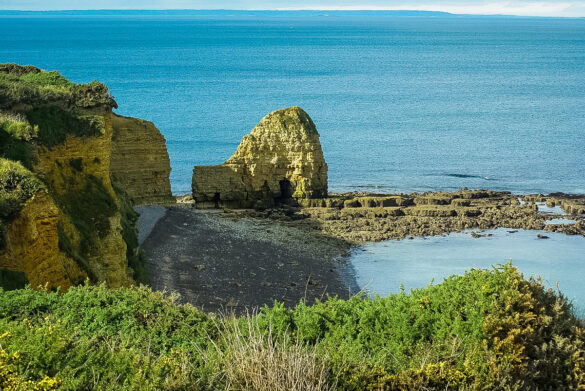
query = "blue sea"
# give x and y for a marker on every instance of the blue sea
(403, 101)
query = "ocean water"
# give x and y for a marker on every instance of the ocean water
(403, 102)
(383, 267)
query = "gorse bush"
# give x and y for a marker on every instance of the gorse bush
(95, 338)
(10, 380)
(28, 85)
(484, 330)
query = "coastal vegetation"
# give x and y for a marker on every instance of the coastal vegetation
(17, 184)
(30, 86)
(488, 329)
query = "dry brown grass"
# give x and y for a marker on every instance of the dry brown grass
(245, 358)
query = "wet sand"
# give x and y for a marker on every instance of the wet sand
(227, 264)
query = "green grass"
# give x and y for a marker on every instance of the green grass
(17, 184)
(54, 124)
(15, 136)
(28, 85)
(484, 330)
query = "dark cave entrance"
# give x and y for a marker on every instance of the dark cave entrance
(285, 189)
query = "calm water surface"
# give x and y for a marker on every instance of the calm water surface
(402, 103)
(383, 267)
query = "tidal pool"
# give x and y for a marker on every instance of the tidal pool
(382, 267)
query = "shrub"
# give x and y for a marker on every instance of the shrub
(17, 184)
(11, 380)
(28, 85)
(95, 338)
(485, 327)
(15, 133)
(486, 330)
(54, 124)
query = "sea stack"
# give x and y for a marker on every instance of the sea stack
(279, 161)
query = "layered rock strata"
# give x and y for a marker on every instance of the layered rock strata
(32, 247)
(358, 218)
(92, 164)
(140, 163)
(281, 159)
(77, 173)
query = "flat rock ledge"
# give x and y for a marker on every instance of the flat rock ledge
(362, 217)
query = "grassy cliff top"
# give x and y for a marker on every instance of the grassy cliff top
(24, 87)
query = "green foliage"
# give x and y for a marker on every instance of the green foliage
(484, 330)
(54, 124)
(11, 380)
(89, 207)
(15, 132)
(18, 70)
(17, 184)
(27, 85)
(95, 338)
(46, 78)
(438, 335)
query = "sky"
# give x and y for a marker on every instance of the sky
(563, 8)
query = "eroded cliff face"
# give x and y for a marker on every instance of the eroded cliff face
(32, 247)
(280, 159)
(77, 173)
(140, 162)
(79, 223)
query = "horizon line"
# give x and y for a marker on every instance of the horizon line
(324, 9)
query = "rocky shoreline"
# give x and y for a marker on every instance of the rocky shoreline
(361, 217)
(238, 260)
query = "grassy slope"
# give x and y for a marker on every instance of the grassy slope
(484, 330)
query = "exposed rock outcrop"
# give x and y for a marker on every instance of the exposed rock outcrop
(32, 246)
(280, 159)
(139, 162)
(90, 163)
(359, 218)
(77, 173)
